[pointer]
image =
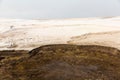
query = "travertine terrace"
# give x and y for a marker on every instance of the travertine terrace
(28, 34)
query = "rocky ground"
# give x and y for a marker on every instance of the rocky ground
(61, 62)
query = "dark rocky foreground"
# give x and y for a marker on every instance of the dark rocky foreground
(61, 62)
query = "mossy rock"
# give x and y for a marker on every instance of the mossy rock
(68, 62)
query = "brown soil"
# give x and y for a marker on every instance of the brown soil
(61, 62)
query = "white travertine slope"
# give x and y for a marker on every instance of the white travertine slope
(110, 39)
(29, 34)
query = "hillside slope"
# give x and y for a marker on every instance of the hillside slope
(111, 39)
(65, 62)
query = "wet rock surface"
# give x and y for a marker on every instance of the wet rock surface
(61, 62)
